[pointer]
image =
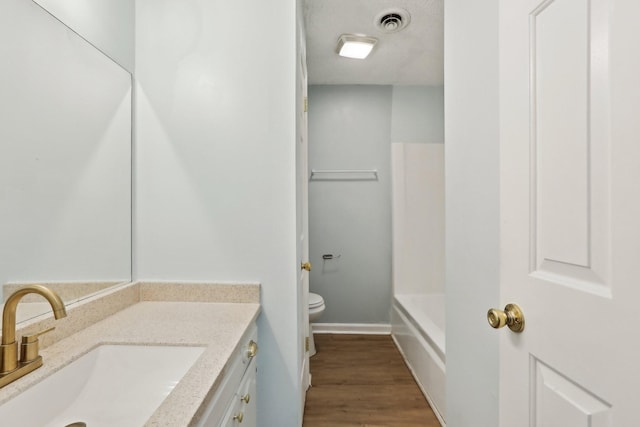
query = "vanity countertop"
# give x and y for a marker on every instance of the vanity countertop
(216, 326)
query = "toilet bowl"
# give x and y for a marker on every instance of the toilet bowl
(316, 308)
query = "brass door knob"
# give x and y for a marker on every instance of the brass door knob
(238, 417)
(246, 398)
(305, 266)
(511, 316)
(252, 349)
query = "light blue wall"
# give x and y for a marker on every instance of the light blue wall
(418, 114)
(215, 166)
(349, 128)
(352, 127)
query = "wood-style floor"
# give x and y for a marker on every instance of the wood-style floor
(362, 380)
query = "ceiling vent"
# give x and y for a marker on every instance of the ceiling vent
(392, 21)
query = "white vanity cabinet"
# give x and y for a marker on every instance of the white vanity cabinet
(242, 411)
(234, 404)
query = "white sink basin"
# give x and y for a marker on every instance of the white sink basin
(112, 385)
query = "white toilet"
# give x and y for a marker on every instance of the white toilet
(316, 308)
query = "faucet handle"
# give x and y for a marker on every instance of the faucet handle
(29, 346)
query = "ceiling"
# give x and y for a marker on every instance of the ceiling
(412, 56)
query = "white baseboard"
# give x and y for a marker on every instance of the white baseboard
(351, 328)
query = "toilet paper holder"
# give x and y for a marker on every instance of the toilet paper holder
(330, 256)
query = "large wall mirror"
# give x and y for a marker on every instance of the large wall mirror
(65, 142)
(109, 25)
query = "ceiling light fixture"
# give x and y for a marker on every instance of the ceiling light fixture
(355, 46)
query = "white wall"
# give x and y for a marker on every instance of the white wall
(418, 218)
(472, 210)
(349, 128)
(65, 141)
(215, 164)
(107, 24)
(417, 156)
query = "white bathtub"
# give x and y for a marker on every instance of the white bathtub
(417, 327)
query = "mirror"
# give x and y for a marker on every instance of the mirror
(65, 144)
(109, 25)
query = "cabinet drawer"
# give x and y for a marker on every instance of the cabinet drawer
(239, 380)
(242, 411)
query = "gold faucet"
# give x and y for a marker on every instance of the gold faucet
(10, 367)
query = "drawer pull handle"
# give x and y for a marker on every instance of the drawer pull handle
(253, 349)
(246, 398)
(239, 417)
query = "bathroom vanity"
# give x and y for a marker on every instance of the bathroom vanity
(235, 401)
(217, 389)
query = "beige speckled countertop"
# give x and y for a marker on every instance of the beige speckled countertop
(218, 326)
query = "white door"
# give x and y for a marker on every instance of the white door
(303, 217)
(570, 212)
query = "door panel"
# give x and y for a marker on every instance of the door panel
(569, 163)
(560, 402)
(570, 211)
(559, 42)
